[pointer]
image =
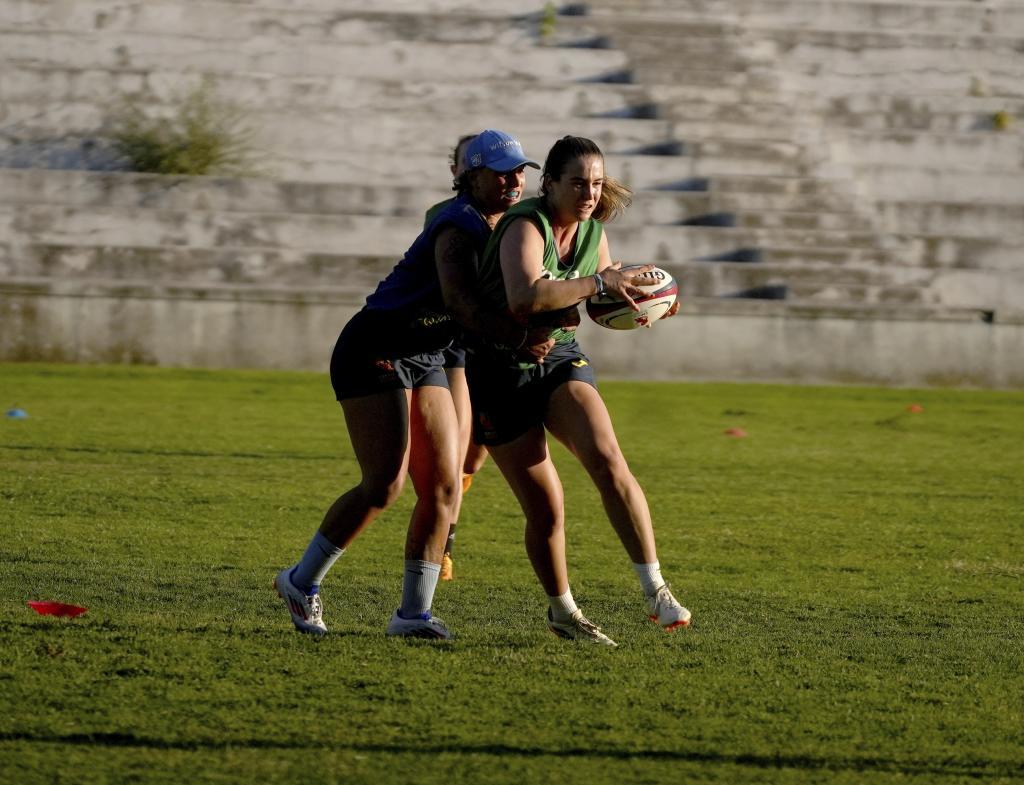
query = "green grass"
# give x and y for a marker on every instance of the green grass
(855, 573)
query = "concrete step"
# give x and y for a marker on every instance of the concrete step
(984, 151)
(921, 113)
(385, 235)
(913, 77)
(295, 159)
(952, 252)
(807, 282)
(233, 21)
(128, 190)
(47, 100)
(361, 271)
(330, 128)
(171, 265)
(639, 172)
(946, 16)
(829, 62)
(651, 39)
(780, 201)
(56, 84)
(962, 219)
(357, 275)
(937, 184)
(389, 60)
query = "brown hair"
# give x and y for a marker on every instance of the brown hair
(458, 183)
(615, 197)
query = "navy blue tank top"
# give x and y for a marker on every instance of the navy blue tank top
(407, 309)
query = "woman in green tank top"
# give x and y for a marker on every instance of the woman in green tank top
(545, 257)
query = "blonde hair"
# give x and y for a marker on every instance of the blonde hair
(615, 197)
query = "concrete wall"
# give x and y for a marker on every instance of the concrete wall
(229, 327)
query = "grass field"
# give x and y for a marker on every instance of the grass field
(855, 572)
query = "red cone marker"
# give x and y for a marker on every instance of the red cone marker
(57, 609)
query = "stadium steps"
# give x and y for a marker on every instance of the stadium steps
(751, 135)
(946, 16)
(390, 60)
(961, 219)
(386, 235)
(123, 190)
(358, 273)
(671, 40)
(927, 113)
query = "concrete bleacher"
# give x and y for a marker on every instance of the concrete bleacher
(787, 156)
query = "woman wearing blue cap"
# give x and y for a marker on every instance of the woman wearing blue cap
(472, 455)
(387, 372)
(545, 257)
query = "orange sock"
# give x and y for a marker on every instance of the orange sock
(467, 480)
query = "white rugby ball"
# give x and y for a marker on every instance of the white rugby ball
(658, 296)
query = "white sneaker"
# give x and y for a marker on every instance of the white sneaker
(424, 626)
(578, 628)
(665, 610)
(306, 609)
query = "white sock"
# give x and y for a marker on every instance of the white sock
(650, 577)
(563, 606)
(418, 584)
(319, 557)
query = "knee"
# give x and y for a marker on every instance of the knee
(544, 525)
(381, 492)
(446, 495)
(609, 469)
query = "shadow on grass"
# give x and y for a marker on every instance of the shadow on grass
(170, 453)
(978, 768)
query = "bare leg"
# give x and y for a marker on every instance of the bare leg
(476, 454)
(473, 455)
(578, 418)
(531, 475)
(464, 414)
(378, 426)
(434, 468)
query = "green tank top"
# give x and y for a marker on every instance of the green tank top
(585, 256)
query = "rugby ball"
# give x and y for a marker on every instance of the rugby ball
(659, 295)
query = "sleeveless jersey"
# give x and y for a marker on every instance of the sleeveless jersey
(434, 210)
(585, 257)
(408, 303)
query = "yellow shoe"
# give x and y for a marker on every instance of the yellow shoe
(467, 480)
(447, 572)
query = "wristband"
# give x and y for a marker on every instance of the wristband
(600, 284)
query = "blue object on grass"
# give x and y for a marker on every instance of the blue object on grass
(17, 414)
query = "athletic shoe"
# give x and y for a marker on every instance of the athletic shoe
(447, 568)
(665, 610)
(306, 609)
(577, 628)
(423, 626)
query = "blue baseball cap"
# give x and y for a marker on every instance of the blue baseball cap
(497, 151)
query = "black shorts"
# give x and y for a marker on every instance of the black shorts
(360, 365)
(509, 399)
(455, 355)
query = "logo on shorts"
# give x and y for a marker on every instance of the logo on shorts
(487, 429)
(580, 363)
(384, 365)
